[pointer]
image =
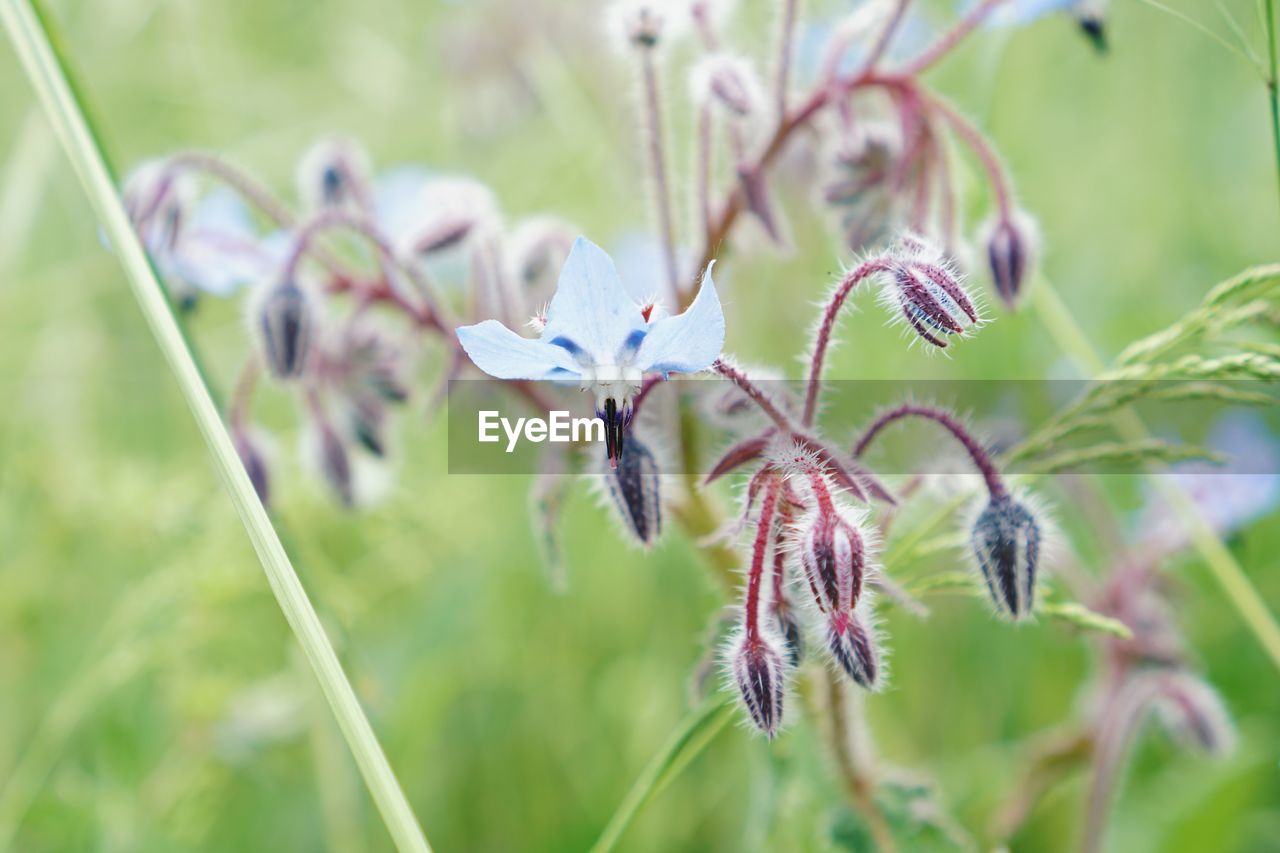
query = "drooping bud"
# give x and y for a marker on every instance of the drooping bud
(284, 323)
(852, 643)
(866, 209)
(926, 289)
(1193, 711)
(334, 172)
(784, 615)
(833, 556)
(728, 81)
(335, 465)
(255, 463)
(634, 488)
(1007, 545)
(758, 200)
(758, 672)
(450, 211)
(1011, 250)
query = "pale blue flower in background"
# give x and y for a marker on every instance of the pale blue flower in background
(597, 334)
(1228, 496)
(1016, 13)
(209, 245)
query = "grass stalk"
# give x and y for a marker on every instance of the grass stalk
(1226, 571)
(48, 77)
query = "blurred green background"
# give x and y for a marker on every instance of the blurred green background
(151, 697)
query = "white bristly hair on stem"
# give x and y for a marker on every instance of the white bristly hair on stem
(49, 79)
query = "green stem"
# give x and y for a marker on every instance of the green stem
(1273, 92)
(1061, 325)
(48, 77)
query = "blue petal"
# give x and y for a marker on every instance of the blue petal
(218, 249)
(503, 354)
(687, 343)
(591, 308)
(1021, 12)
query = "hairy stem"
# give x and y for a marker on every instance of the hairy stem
(950, 39)
(656, 143)
(981, 459)
(823, 339)
(764, 530)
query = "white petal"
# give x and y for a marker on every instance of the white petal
(503, 354)
(687, 343)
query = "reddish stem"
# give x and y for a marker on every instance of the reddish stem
(753, 392)
(981, 459)
(949, 40)
(1000, 184)
(764, 529)
(823, 339)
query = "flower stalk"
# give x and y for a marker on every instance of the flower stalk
(48, 77)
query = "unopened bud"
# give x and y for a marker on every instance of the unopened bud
(758, 672)
(833, 557)
(335, 465)
(334, 172)
(285, 325)
(1007, 545)
(1011, 249)
(1194, 712)
(634, 488)
(759, 202)
(926, 289)
(728, 81)
(450, 211)
(853, 645)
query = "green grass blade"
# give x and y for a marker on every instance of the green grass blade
(1222, 564)
(692, 736)
(47, 76)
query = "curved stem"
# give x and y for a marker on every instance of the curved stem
(949, 40)
(823, 339)
(1000, 183)
(981, 459)
(341, 220)
(886, 36)
(755, 394)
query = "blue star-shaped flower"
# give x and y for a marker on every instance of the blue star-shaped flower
(597, 334)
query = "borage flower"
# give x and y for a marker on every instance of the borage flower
(597, 334)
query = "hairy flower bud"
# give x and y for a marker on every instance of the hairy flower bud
(833, 557)
(926, 289)
(634, 489)
(1193, 711)
(334, 172)
(335, 465)
(1007, 544)
(758, 672)
(284, 323)
(728, 81)
(858, 189)
(1011, 249)
(852, 643)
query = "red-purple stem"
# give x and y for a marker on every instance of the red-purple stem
(823, 340)
(981, 459)
(950, 39)
(764, 530)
